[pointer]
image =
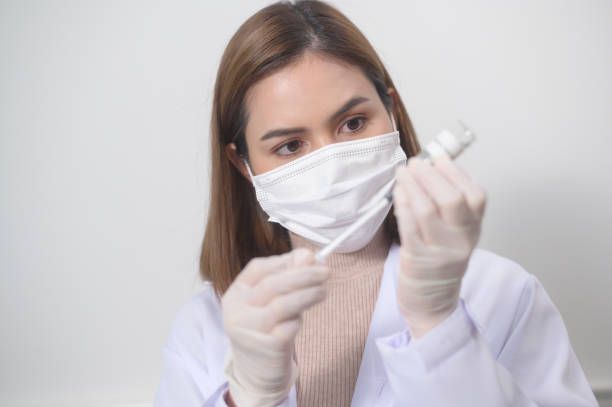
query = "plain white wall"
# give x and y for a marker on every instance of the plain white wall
(104, 114)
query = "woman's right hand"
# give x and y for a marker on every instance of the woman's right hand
(261, 316)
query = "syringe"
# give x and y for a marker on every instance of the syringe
(445, 141)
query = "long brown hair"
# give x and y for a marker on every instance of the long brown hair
(237, 229)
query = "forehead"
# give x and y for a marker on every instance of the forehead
(308, 89)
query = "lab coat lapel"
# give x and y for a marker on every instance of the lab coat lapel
(371, 388)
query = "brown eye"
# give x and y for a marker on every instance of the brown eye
(355, 124)
(292, 146)
(289, 148)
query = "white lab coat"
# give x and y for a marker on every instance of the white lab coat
(504, 345)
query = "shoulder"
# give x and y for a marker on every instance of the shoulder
(196, 348)
(197, 326)
(495, 290)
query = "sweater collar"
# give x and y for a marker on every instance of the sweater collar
(366, 260)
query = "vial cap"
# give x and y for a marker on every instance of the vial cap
(449, 143)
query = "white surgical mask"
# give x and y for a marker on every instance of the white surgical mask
(320, 194)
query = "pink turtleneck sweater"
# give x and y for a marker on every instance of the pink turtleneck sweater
(330, 343)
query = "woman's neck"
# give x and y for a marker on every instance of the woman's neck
(368, 259)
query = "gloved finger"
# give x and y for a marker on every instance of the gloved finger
(259, 267)
(424, 211)
(448, 198)
(474, 194)
(302, 257)
(281, 283)
(290, 306)
(410, 236)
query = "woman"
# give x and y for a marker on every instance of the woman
(307, 133)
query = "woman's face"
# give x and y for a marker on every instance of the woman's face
(305, 106)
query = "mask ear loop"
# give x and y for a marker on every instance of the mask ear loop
(392, 121)
(248, 167)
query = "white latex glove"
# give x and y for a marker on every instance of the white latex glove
(261, 316)
(439, 211)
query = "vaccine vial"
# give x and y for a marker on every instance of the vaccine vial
(451, 143)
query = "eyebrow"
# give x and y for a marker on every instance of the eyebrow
(345, 108)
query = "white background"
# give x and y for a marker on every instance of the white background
(104, 115)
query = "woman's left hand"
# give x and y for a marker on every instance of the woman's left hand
(439, 212)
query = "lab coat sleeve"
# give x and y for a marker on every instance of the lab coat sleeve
(178, 386)
(191, 376)
(453, 364)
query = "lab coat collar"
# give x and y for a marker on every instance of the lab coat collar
(371, 388)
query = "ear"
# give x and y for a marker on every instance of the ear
(237, 160)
